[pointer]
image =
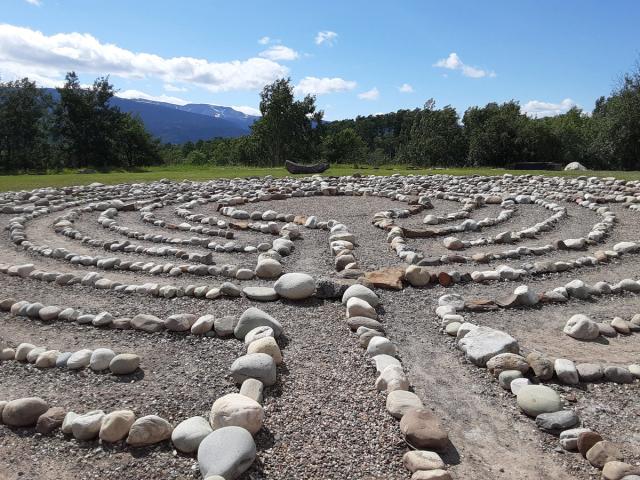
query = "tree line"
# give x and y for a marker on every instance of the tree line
(496, 135)
(81, 130)
(78, 129)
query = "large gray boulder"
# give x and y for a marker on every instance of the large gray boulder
(254, 317)
(227, 452)
(254, 365)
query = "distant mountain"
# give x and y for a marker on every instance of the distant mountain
(182, 123)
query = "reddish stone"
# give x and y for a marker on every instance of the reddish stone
(586, 440)
(445, 279)
(480, 305)
(390, 278)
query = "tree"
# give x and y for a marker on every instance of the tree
(85, 125)
(285, 130)
(136, 146)
(493, 133)
(344, 146)
(616, 125)
(436, 138)
(23, 126)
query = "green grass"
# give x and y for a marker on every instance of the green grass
(191, 172)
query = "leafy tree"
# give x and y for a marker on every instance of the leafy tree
(492, 132)
(344, 146)
(23, 126)
(136, 146)
(435, 138)
(617, 125)
(285, 130)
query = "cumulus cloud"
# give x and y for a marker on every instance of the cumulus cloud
(279, 52)
(538, 109)
(405, 88)
(137, 94)
(247, 110)
(372, 94)
(454, 62)
(23, 49)
(326, 37)
(322, 86)
(264, 40)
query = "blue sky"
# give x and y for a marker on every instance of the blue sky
(358, 57)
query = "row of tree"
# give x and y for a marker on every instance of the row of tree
(76, 129)
(80, 129)
(496, 135)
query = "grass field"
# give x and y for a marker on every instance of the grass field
(190, 172)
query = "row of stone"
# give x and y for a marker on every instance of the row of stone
(581, 327)
(421, 429)
(97, 360)
(499, 353)
(292, 286)
(225, 447)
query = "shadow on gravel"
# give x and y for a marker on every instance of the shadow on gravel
(132, 377)
(450, 455)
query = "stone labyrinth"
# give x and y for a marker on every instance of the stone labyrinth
(423, 327)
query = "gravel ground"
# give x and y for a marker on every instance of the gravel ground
(324, 417)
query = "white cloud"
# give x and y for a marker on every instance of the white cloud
(26, 50)
(454, 62)
(372, 94)
(264, 40)
(327, 37)
(321, 86)
(405, 88)
(537, 109)
(137, 94)
(37, 3)
(279, 52)
(247, 110)
(172, 88)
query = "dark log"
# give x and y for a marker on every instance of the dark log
(293, 167)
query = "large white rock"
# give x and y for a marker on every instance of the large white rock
(149, 430)
(227, 452)
(87, 426)
(115, 425)
(581, 327)
(295, 286)
(235, 409)
(575, 166)
(362, 292)
(101, 358)
(482, 343)
(79, 359)
(356, 307)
